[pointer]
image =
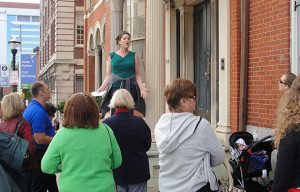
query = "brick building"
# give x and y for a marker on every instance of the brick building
(61, 47)
(235, 61)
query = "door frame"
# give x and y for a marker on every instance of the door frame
(187, 52)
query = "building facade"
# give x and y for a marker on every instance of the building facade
(20, 21)
(61, 47)
(233, 50)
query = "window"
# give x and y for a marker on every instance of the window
(134, 23)
(35, 19)
(89, 5)
(79, 29)
(79, 84)
(23, 18)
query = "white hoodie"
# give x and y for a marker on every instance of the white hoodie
(186, 154)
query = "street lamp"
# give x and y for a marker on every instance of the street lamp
(14, 44)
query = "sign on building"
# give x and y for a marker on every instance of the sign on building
(28, 68)
(4, 75)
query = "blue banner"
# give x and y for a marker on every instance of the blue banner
(28, 67)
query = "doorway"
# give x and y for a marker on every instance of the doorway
(202, 58)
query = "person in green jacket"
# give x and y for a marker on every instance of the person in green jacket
(84, 151)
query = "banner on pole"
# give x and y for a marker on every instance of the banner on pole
(4, 75)
(28, 67)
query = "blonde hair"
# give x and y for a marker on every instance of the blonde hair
(12, 106)
(121, 99)
(288, 113)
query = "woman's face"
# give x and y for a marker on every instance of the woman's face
(282, 86)
(124, 42)
(190, 104)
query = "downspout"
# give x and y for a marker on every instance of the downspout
(244, 65)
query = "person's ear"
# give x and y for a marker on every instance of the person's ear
(183, 102)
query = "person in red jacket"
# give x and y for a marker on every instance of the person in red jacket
(12, 106)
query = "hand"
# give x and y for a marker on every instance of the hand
(100, 89)
(144, 93)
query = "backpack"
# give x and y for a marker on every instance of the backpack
(12, 149)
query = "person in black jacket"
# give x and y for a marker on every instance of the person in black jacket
(134, 138)
(287, 140)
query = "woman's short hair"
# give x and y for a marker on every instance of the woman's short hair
(121, 99)
(289, 78)
(81, 110)
(50, 109)
(119, 37)
(177, 89)
(12, 106)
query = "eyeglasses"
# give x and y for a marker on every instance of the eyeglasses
(280, 81)
(193, 97)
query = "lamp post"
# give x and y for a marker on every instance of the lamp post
(14, 44)
(20, 36)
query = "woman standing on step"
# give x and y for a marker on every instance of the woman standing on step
(123, 71)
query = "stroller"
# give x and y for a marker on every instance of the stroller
(253, 162)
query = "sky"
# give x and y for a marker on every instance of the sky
(21, 1)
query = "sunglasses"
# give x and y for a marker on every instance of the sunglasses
(279, 81)
(193, 97)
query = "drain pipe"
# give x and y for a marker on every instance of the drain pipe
(244, 65)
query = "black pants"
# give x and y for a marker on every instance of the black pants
(206, 188)
(41, 182)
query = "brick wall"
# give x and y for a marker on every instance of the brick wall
(78, 53)
(235, 59)
(89, 61)
(269, 58)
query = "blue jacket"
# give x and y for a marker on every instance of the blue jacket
(134, 138)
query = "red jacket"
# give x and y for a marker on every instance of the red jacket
(9, 126)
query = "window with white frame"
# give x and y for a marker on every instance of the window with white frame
(134, 23)
(79, 28)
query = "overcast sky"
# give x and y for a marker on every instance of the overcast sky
(21, 1)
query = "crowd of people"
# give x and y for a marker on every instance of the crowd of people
(112, 155)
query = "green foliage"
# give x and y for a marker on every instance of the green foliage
(27, 94)
(60, 106)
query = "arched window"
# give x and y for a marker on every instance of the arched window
(134, 23)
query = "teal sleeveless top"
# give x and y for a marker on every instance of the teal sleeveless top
(122, 66)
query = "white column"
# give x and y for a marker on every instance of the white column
(116, 22)
(170, 44)
(223, 130)
(97, 67)
(154, 62)
(187, 42)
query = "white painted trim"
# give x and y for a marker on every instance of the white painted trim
(293, 51)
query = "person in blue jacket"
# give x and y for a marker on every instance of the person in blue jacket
(134, 138)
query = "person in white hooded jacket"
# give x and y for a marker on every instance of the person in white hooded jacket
(188, 147)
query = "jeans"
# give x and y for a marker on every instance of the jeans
(28, 179)
(139, 187)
